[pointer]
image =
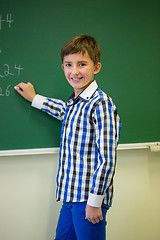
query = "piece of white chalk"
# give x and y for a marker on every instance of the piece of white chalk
(18, 88)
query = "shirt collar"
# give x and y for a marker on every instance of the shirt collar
(89, 91)
(85, 94)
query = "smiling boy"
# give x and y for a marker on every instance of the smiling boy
(79, 70)
(89, 138)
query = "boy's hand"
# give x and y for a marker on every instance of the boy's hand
(26, 90)
(93, 214)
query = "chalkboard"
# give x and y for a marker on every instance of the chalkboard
(31, 36)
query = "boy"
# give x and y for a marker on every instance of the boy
(89, 138)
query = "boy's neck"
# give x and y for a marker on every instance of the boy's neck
(77, 93)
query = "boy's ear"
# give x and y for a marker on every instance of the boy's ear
(97, 68)
(62, 66)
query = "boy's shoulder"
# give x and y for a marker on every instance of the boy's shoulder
(101, 96)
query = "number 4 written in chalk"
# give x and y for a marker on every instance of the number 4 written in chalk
(8, 20)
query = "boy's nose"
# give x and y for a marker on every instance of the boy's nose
(75, 70)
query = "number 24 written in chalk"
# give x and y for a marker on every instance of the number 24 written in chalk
(7, 71)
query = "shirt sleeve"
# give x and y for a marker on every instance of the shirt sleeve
(54, 107)
(107, 131)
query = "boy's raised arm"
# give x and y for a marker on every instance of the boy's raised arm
(26, 90)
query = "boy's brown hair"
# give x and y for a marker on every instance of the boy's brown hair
(82, 44)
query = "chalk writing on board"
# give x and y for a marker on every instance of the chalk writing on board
(6, 20)
(16, 70)
(6, 92)
(6, 70)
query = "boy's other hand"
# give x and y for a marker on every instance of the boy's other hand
(26, 90)
(93, 214)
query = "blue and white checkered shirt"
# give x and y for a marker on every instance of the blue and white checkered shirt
(89, 138)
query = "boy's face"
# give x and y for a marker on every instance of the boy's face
(79, 70)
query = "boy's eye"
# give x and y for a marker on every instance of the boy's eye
(68, 64)
(82, 64)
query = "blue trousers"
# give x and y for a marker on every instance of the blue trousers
(72, 224)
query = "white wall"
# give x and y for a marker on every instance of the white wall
(29, 211)
(135, 214)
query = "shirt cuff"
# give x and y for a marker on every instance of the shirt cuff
(95, 200)
(38, 101)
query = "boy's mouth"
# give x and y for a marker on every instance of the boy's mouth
(76, 79)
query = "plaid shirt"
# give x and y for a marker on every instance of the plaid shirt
(89, 138)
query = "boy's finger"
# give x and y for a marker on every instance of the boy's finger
(18, 88)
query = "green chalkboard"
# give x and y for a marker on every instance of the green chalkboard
(31, 36)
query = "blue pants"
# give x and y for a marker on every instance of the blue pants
(72, 224)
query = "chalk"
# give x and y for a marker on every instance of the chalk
(18, 88)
